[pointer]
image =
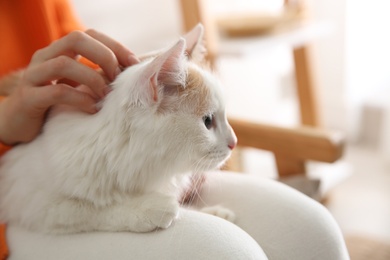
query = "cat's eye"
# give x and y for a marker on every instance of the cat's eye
(208, 121)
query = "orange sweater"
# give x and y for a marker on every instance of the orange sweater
(26, 26)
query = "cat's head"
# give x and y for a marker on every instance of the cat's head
(174, 109)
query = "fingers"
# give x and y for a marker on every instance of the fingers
(57, 60)
(34, 94)
(125, 56)
(65, 67)
(23, 112)
(79, 43)
(47, 96)
(94, 46)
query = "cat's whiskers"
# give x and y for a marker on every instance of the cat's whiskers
(195, 167)
(198, 181)
(197, 186)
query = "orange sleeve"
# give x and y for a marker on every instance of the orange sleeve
(25, 27)
(3, 243)
(67, 19)
(4, 148)
(29, 25)
(3, 240)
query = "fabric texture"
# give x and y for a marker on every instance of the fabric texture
(286, 223)
(194, 236)
(273, 222)
(29, 25)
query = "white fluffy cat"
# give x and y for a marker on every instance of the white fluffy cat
(115, 170)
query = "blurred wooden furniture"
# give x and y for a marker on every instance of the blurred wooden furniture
(291, 147)
(250, 25)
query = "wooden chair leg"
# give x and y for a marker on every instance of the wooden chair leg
(305, 87)
(288, 166)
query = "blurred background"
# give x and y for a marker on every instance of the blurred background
(348, 66)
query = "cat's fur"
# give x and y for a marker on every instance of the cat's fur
(116, 170)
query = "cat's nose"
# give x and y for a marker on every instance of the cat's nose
(231, 146)
(232, 139)
(232, 143)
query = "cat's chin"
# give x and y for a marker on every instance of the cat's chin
(216, 165)
(222, 165)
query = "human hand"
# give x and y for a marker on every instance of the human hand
(23, 112)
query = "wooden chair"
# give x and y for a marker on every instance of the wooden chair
(198, 11)
(292, 148)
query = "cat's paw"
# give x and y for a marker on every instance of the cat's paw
(220, 211)
(160, 211)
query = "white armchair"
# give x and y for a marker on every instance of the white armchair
(273, 222)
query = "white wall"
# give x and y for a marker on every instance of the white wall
(329, 63)
(368, 66)
(142, 25)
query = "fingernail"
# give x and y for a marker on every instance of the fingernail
(98, 106)
(92, 109)
(133, 60)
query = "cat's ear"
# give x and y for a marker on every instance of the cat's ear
(195, 50)
(165, 70)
